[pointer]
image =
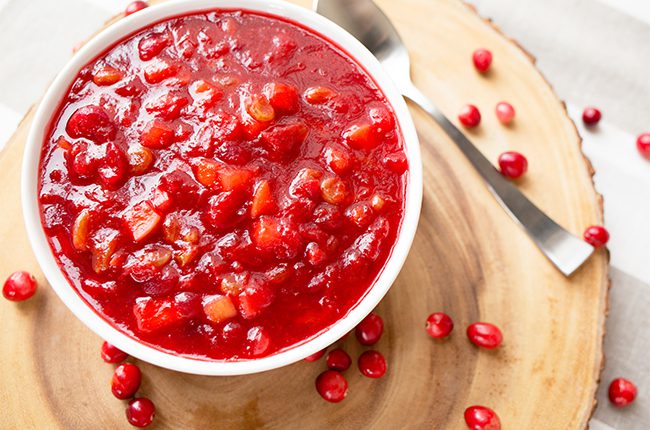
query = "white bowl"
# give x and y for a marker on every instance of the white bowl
(133, 23)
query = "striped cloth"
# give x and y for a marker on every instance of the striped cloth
(592, 51)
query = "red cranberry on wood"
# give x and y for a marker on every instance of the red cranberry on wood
(439, 325)
(126, 380)
(482, 59)
(482, 418)
(332, 386)
(339, 360)
(370, 329)
(485, 335)
(19, 286)
(512, 164)
(372, 364)
(596, 236)
(111, 354)
(505, 112)
(469, 116)
(140, 412)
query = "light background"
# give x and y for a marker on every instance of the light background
(594, 52)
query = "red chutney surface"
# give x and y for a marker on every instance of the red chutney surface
(223, 185)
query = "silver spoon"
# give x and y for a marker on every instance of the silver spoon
(365, 21)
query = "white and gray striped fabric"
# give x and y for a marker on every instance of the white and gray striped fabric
(592, 51)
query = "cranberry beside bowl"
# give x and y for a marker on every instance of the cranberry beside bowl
(222, 187)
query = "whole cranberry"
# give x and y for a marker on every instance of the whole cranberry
(332, 386)
(643, 145)
(512, 164)
(482, 418)
(505, 112)
(469, 116)
(485, 335)
(19, 286)
(338, 360)
(372, 364)
(257, 341)
(112, 354)
(622, 392)
(482, 59)
(134, 7)
(591, 115)
(140, 412)
(315, 356)
(126, 380)
(596, 236)
(369, 330)
(91, 122)
(439, 325)
(233, 333)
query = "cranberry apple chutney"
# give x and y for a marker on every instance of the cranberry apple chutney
(223, 185)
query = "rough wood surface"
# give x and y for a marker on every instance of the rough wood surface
(468, 260)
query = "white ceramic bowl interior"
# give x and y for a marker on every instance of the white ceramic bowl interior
(133, 23)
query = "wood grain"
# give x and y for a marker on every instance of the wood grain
(468, 259)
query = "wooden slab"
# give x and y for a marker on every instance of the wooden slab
(468, 259)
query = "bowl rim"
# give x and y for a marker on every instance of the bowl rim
(167, 359)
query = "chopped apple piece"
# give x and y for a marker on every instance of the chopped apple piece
(107, 76)
(234, 178)
(159, 70)
(263, 203)
(283, 97)
(64, 144)
(154, 314)
(233, 284)
(219, 308)
(141, 220)
(157, 135)
(361, 137)
(206, 171)
(377, 203)
(104, 243)
(339, 161)
(171, 228)
(261, 110)
(333, 190)
(267, 232)
(140, 159)
(80, 230)
(192, 235)
(318, 95)
(186, 255)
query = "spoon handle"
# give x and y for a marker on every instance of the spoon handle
(566, 251)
